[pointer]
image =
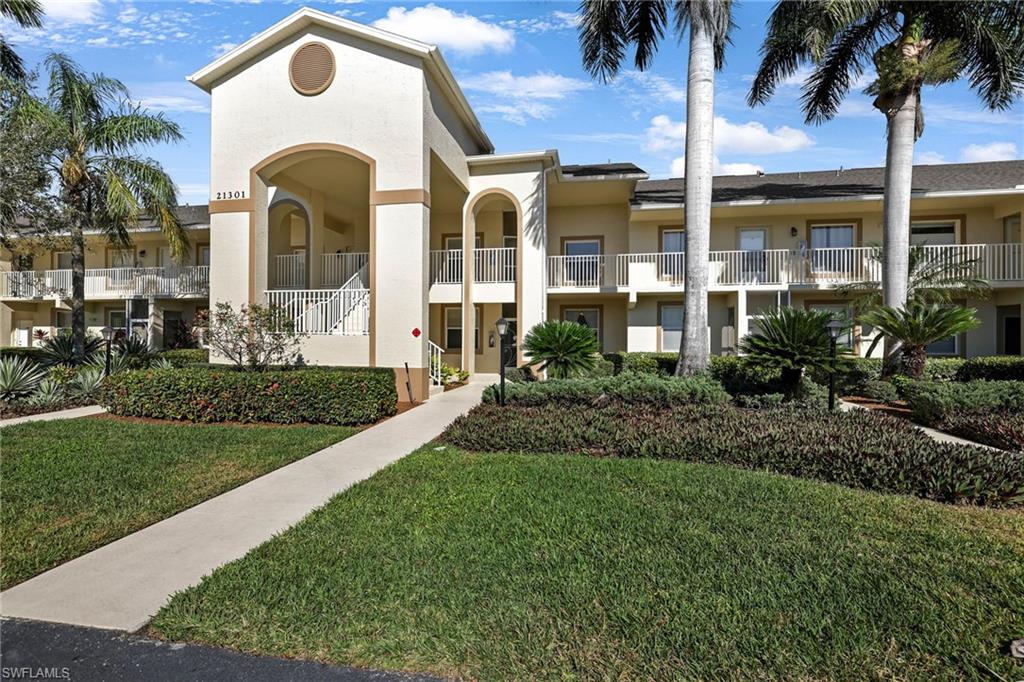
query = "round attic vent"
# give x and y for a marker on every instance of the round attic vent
(311, 69)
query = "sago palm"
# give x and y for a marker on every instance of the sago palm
(104, 184)
(933, 277)
(27, 14)
(791, 340)
(910, 44)
(916, 326)
(607, 29)
(563, 349)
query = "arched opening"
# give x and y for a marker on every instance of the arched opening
(288, 237)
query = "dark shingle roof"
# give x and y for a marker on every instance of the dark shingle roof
(833, 184)
(590, 170)
(197, 216)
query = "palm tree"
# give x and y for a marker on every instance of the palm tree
(916, 326)
(563, 349)
(911, 44)
(790, 340)
(932, 278)
(104, 184)
(607, 29)
(27, 14)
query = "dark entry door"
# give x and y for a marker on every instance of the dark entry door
(1011, 335)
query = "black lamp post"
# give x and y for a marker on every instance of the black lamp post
(501, 326)
(108, 335)
(835, 328)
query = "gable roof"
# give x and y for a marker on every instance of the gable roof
(299, 21)
(834, 184)
(591, 170)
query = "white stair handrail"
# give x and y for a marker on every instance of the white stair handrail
(435, 352)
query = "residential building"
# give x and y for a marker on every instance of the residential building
(352, 184)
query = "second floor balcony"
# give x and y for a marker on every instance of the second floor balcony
(996, 263)
(191, 281)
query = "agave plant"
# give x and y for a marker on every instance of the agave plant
(88, 381)
(18, 377)
(60, 349)
(161, 363)
(118, 363)
(48, 394)
(791, 340)
(135, 350)
(917, 325)
(563, 349)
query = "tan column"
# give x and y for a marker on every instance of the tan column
(469, 321)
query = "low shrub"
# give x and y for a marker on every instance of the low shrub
(28, 352)
(880, 391)
(933, 401)
(996, 368)
(1002, 429)
(942, 369)
(183, 357)
(602, 368)
(316, 396)
(630, 389)
(740, 377)
(519, 374)
(852, 374)
(859, 448)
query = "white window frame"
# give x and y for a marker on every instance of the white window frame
(954, 223)
(577, 309)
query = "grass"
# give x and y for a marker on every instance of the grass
(504, 566)
(68, 487)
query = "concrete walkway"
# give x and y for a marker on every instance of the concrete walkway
(123, 584)
(935, 434)
(73, 413)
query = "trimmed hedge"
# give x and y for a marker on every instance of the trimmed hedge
(995, 368)
(933, 401)
(183, 357)
(29, 352)
(859, 448)
(630, 389)
(199, 394)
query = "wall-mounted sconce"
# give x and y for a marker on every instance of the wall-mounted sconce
(792, 231)
(490, 340)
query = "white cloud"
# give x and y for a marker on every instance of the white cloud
(995, 151)
(751, 137)
(678, 168)
(175, 103)
(929, 158)
(541, 85)
(599, 138)
(102, 41)
(456, 31)
(71, 11)
(519, 98)
(223, 48)
(653, 86)
(555, 21)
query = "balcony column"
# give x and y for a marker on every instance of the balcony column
(399, 293)
(742, 324)
(469, 321)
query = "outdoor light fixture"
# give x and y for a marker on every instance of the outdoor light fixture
(835, 328)
(501, 326)
(108, 336)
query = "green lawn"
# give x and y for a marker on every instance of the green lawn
(527, 567)
(67, 487)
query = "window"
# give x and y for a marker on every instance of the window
(117, 319)
(62, 319)
(453, 328)
(946, 346)
(839, 312)
(204, 254)
(673, 240)
(584, 268)
(753, 242)
(581, 247)
(588, 317)
(671, 327)
(830, 246)
(673, 245)
(122, 258)
(933, 232)
(62, 260)
(1011, 230)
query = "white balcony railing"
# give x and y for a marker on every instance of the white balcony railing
(338, 268)
(175, 281)
(344, 312)
(290, 271)
(490, 266)
(829, 266)
(581, 271)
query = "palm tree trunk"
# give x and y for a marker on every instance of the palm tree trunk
(899, 168)
(78, 290)
(700, 114)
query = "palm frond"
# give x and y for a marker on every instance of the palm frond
(603, 37)
(120, 132)
(11, 65)
(918, 324)
(785, 48)
(645, 26)
(716, 18)
(26, 13)
(154, 191)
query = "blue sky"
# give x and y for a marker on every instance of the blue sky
(519, 65)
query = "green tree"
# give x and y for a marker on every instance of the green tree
(791, 340)
(911, 44)
(27, 14)
(917, 325)
(104, 184)
(607, 29)
(563, 349)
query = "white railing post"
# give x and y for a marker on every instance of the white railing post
(435, 352)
